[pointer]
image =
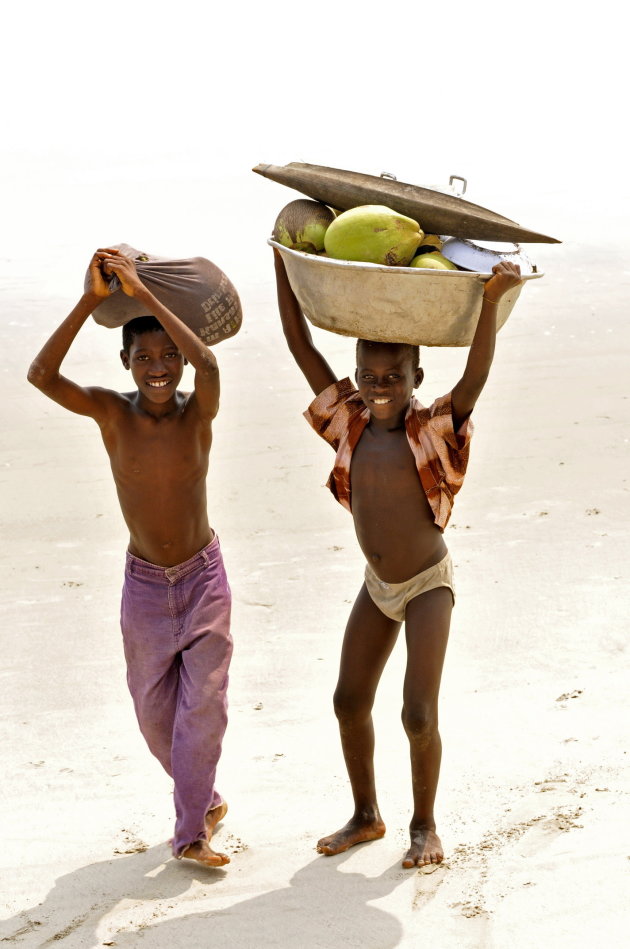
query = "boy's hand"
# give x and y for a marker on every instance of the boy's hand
(113, 262)
(505, 276)
(96, 283)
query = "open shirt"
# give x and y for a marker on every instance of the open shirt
(339, 415)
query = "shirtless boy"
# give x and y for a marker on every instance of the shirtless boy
(397, 468)
(175, 612)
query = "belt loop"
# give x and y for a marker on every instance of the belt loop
(204, 554)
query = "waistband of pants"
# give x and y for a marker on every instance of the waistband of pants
(207, 555)
(401, 586)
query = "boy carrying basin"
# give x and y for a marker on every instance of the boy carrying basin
(397, 468)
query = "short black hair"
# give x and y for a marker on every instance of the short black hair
(413, 351)
(141, 324)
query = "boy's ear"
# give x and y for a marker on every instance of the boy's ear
(185, 361)
(418, 377)
(124, 358)
(356, 376)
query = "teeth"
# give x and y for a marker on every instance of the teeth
(381, 401)
(160, 384)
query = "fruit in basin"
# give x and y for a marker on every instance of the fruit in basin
(433, 261)
(375, 234)
(302, 224)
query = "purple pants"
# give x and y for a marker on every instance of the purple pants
(176, 631)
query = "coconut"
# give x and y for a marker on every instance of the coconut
(433, 261)
(375, 234)
(302, 224)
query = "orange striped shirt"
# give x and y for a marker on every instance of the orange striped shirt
(339, 415)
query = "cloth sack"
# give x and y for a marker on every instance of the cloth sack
(195, 290)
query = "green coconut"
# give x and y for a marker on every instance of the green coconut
(302, 224)
(375, 234)
(433, 261)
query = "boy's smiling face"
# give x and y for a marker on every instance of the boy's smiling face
(386, 377)
(156, 365)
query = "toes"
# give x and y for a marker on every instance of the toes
(208, 858)
(414, 859)
(329, 851)
(216, 860)
(327, 845)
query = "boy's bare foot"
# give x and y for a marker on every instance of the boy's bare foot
(201, 849)
(426, 848)
(203, 853)
(214, 816)
(356, 831)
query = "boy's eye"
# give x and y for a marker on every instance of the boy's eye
(170, 355)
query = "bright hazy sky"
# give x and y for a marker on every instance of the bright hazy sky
(518, 97)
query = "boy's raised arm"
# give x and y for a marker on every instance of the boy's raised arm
(316, 370)
(466, 392)
(44, 370)
(196, 352)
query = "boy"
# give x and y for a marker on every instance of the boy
(397, 468)
(175, 613)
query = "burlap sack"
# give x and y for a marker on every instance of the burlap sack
(195, 290)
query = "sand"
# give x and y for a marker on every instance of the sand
(534, 779)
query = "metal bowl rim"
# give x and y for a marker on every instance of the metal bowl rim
(363, 265)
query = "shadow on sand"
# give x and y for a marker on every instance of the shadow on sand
(321, 907)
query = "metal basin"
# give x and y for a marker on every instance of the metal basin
(391, 304)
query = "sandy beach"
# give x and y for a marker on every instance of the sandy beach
(532, 804)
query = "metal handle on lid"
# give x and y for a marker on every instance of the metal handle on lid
(463, 181)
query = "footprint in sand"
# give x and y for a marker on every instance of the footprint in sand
(428, 881)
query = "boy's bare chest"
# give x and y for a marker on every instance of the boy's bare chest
(145, 450)
(384, 460)
(388, 500)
